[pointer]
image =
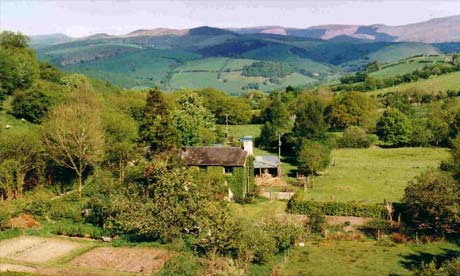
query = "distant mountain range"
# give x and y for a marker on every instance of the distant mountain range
(235, 60)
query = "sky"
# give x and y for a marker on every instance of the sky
(85, 17)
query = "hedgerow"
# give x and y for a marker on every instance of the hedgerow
(298, 205)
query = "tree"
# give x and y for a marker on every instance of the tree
(313, 157)
(310, 121)
(73, 134)
(394, 128)
(455, 156)
(276, 121)
(121, 132)
(76, 81)
(49, 72)
(352, 109)
(21, 151)
(18, 65)
(32, 105)
(225, 108)
(195, 124)
(157, 129)
(432, 202)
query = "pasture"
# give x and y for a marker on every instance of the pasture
(368, 258)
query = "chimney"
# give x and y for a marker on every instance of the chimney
(247, 144)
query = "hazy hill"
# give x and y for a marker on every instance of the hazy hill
(446, 29)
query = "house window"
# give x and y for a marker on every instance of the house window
(228, 170)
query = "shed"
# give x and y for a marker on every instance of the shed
(266, 164)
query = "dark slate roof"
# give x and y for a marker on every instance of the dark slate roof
(214, 156)
(266, 161)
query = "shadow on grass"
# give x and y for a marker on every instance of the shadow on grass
(291, 160)
(413, 261)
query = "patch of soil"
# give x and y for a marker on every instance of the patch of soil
(36, 249)
(143, 260)
(353, 221)
(23, 221)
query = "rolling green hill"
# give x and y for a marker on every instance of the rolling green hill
(204, 57)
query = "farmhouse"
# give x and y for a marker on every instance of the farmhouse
(234, 162)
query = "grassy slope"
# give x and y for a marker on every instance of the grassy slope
(331, 258)
(434, 84)
(397, 52)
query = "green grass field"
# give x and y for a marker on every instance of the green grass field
(338, 258)
(374, 174)
(434, 84)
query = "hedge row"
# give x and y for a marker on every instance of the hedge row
(298, 205)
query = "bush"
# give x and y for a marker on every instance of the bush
(298, 205)
(399, 238)
(184, 264)
(356, 137)
(317, 222)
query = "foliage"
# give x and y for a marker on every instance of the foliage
(432, 202)
(317, 222)
(225, 108)
(352, 109)
(267, 69)
(49, 72)
(237, 184)
(356, 137)
(394, 128)
(298, 205)
(156, 129)
(455, 156)
(444, 121)
(20, 153)
(313, 157)
(183, 264)
(32, 105)
(310, 121)
(195, 124)
(447, 268)
(18, 66)
(277, 122)
(73, 134)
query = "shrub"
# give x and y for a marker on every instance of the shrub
(317, 222)
(184, 264)
(356, 137)
(399, 238)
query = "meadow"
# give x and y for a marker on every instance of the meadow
(367, 258)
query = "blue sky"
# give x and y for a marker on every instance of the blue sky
(84, 17)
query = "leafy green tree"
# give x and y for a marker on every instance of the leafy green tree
(277, 121)
(225, 108)
(432, 202)
(352, 109)
(22, 152)
(313, 157)
(18, 65)
(73, 134)
(195, 124)
(157, 129)
(121, 132)
(394, 128)
(32, 105)
(310, 121)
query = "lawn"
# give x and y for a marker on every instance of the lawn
(373, 174)
(330, 258)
